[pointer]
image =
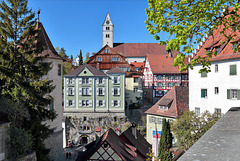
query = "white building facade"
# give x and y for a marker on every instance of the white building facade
(216, 91)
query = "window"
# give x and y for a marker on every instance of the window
(107, 28)
(135, 89)
(115, 103)
(85, 103)
(204, 74)
(70, 81)
(85, 91)
(100, 91)
(106, 50)
(70, 91)
(135, 80)
(100, 80)
(197, 111)
(70, 103)
(233, 69)
(51, 105)
(218, 112)
(107, 35)
(163, 107)
(159, 121)
(234, 45)
(99, 58)
(59, 69)
(85, 80)
(116, 80)
(203, 93)
(115, 58)
(218, 50)
(216, 67)
(233, 93)
(216, 90)
(152, 119)
(116, 91)
(100, 102)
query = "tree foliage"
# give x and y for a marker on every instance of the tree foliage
(80, 58)
(22, 67)
(165, 143)
(61, 52)
(87, 57)
(190, 127)
(187, 21)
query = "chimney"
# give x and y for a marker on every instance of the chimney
(170, 53)
(193, 55)
(204, 39)
(97, 66)
(134, 130)
(199, 47)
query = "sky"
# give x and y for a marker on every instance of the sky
(77, 24)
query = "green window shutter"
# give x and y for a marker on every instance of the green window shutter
(204, 74)
(202, 93)
(233, 69)
(228, 94)
(238, 94)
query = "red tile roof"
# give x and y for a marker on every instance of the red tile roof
(163, 64)
(141, 49)
(180, 99)
(218, 40)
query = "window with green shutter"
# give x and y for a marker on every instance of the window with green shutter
(233, 94)
(204, 74)
(233, 69)
(203, 93)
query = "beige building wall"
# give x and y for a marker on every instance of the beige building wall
(154, 123)
(130, 93)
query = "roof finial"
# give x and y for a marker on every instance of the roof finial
(38, 12)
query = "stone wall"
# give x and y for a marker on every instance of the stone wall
(76, 122)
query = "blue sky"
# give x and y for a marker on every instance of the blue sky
(77, 24)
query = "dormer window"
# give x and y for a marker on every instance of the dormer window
(161, 107)
(234, 45)
(218, 49)
(106, 50)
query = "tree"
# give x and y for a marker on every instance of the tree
(61, 52)
(22, 67)
(187, 21)
(190, 127)
(80, 58)
(87, 57)
(165, 143)
(71, 58)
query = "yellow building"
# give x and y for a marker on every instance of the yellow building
(133, 89)
(170, 106)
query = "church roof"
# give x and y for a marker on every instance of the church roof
(177, 99)
(44, 39)
(93, 70)
(141, 49)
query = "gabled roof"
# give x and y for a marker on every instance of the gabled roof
(219, 40)
(116, 70)
(180, 99)
(139, 142)
(163, 64)
(141, 49)
(44, 39)
(124, 150)
(93, 70)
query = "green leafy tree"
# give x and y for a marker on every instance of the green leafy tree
(187, 21)
(87, 57)
(22, 67)
(165, 143)
(71, 58)
(190, 127)
(80, 58)
(61, 52)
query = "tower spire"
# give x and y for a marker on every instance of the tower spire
(107, 31)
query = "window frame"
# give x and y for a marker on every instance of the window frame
(203, 92)
(216, 90)
(232, 73)
(197, 111)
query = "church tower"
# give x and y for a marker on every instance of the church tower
(107, 31)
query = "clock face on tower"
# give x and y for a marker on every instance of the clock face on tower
(107, 22)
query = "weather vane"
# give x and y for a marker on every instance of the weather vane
(38, 12)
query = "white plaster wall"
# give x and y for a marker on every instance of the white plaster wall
(221, 79)
(135, 59)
